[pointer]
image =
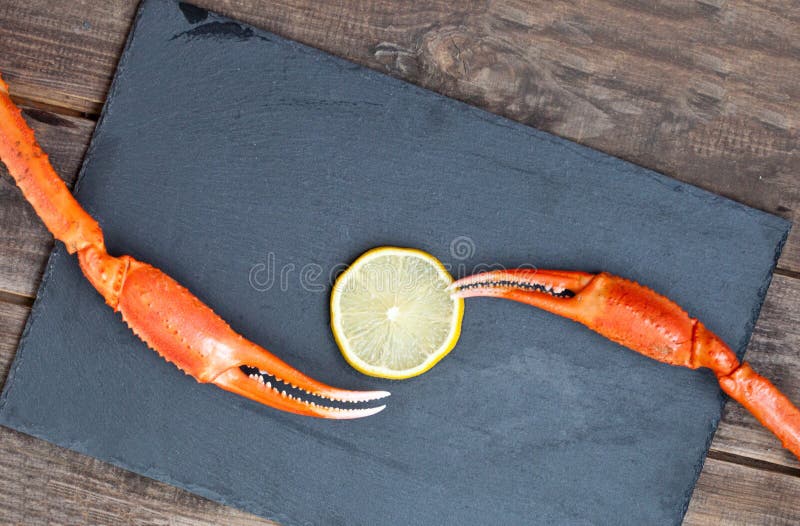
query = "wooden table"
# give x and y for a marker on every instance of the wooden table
(706, 91)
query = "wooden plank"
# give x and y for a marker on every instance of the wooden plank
(49, 484)
(46, 484)
(24, 241)
(732, 494)
(12, 321)
(63, 54)
(774, 351)
(704, 91)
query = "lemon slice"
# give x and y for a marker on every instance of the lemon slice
(391, 313)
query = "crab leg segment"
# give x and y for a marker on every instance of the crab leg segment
(646, 322)
(164, 314)
(34, 175)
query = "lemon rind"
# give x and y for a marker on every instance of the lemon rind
(382, 372)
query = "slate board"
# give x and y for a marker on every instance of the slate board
(224, 151)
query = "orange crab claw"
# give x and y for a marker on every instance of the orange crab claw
(186, 332)
(647, 322)
(164, 314)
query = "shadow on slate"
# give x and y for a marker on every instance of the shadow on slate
(251, 168)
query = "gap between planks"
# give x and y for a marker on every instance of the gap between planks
(793, 274)
(754, 463)
(16, 299)
(52, 108)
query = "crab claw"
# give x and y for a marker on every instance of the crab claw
(186, 332)
(265, 378)
(268, 389)
(547, 289)
(644, 321)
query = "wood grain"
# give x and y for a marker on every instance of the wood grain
(704, 91)
(12, 321)
(46, 484)
(50, 485)
(64, 53)
(729, 494)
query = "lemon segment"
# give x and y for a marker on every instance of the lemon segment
(391, 313)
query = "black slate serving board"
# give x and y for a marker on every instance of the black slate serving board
(229, 156)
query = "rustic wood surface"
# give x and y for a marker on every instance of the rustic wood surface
(705, 91)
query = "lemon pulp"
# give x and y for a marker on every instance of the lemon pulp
(392, 315)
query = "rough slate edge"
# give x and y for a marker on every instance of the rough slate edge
(583, 151)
